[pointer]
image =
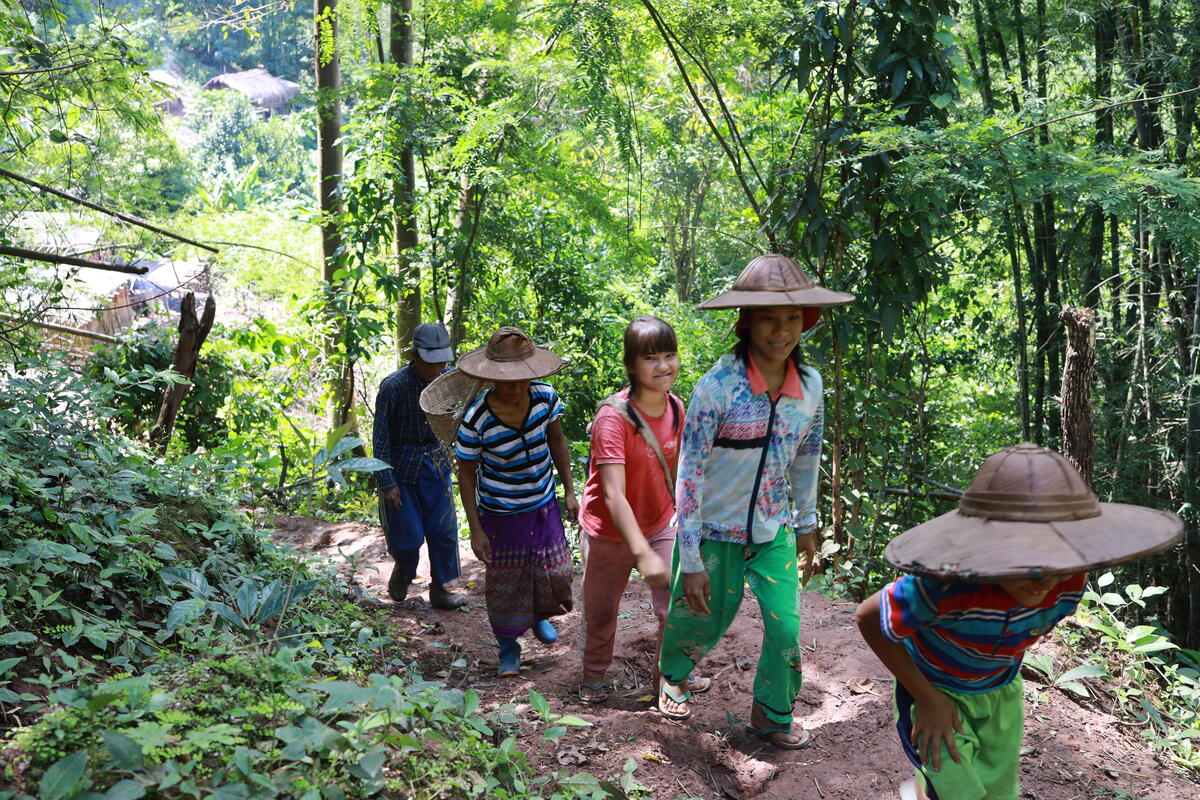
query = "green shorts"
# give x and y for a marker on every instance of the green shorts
(990, 745)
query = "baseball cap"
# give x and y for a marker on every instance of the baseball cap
(431, 342)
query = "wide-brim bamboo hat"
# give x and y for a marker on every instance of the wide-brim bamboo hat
(509, 355)
(1028, 514)
(775, 280)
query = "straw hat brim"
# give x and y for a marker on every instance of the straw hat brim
(541, 364)
(750, 298)
(956, 547)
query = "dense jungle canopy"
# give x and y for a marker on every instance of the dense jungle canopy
(967, 169)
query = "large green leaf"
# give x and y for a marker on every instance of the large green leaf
(124, 752)
(62, 777)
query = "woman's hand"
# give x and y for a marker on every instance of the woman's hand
(698, 590)
(651, 565)
(936, 722)
(481, 546)
(572, 506)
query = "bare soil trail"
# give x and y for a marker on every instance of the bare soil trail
(1072, 751)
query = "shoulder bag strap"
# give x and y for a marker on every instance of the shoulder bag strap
(635, 418)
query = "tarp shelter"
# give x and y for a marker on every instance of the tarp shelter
(268, 94)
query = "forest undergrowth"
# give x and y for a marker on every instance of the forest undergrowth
(156, 644)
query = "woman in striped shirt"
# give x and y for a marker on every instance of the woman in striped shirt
(509, 439)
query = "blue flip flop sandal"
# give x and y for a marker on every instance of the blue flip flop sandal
(678, 699)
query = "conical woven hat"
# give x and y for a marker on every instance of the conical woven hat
(1028, 514)
(510, 355)
(775, 280)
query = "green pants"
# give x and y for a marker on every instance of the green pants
(771, 571)
(989, 745)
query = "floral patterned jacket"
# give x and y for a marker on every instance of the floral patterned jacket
(743, 457)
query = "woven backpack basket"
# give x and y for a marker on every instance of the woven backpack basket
(445, 399)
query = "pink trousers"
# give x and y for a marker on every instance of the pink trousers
(606, 568)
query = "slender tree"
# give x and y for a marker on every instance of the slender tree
(329, 177)
(404, 190)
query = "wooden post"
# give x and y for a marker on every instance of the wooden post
(1076, 400)
(192, 333)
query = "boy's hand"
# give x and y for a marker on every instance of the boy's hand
(936, 722)
(806, 557)
(698, 590)
(651, 565)
(481, 547)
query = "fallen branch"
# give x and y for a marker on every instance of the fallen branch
(72, 261)
(104, 337)
(121, 215)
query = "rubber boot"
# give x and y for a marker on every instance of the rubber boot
(397, 585)
(544, 632)
(443, 598)
(510, 658)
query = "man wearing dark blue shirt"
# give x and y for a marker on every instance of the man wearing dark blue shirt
(415, 497)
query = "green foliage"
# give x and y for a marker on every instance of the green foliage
(173, 651)
(150, 346)
(232, 139)
(1152, 681)
(88, 123)
(556, 724)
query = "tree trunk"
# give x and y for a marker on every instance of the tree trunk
(466, 225)
(1077, 377)
(329, 177)
(192, 333)
(404, 192)
(1191, 479)
(1048, 234)
(985, 72)
(1022, 326)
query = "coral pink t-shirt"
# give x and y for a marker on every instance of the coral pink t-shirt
(614, 441)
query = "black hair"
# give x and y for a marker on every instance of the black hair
(644, 336)
(741, 348)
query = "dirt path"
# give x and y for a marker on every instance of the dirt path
(1073, 752)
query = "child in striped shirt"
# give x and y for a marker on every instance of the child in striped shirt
(510, 442)
(992, 578)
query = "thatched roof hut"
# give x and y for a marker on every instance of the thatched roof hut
(170, 83)
(269, 94)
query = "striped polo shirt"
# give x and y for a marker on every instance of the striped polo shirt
(515, 469)
(969, 637)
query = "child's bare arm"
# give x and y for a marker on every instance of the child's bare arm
(937, 718)
(612, 482)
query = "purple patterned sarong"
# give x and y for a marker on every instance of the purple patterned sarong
(529, 578)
